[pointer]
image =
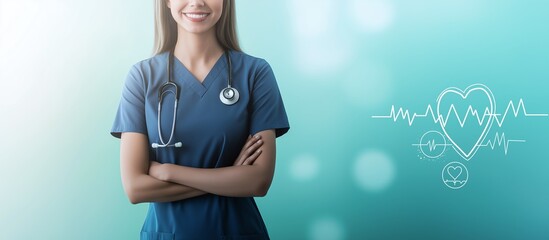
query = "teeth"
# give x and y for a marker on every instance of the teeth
(191, 15)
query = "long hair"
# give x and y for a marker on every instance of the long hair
(165, 28)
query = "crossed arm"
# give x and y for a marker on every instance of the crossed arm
(146, 181)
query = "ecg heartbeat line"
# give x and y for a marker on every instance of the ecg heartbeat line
(431, 144)
(516, 111)
(499, 118)
(499, 141)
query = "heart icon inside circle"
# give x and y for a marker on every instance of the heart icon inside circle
(484, 117)
(454, 172)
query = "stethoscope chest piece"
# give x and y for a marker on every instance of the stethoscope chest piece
(229, 95)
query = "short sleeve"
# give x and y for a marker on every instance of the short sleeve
(267, 107)
(130, 116)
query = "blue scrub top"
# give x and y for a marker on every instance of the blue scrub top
(212, 135)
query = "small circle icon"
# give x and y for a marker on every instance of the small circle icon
(455, 175)
(432, 144)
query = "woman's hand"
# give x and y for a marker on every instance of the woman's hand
(250, 151)
(159, 171)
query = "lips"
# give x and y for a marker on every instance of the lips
(196, 16)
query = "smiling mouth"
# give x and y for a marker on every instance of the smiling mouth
(196, 17)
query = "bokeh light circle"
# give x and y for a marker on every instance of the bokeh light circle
(326, 228)
(374, 170)
(304, 167)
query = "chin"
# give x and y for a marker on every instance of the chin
(197, 29)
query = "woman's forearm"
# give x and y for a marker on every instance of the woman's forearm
(234, 181)
(144, 188)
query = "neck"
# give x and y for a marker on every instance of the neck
(192, 48)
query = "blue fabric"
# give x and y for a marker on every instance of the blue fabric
(212, 135)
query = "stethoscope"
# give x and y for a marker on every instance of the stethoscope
(228, 96)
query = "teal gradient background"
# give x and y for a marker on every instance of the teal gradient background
(340, 173)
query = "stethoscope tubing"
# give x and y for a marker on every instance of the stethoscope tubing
(228, 96)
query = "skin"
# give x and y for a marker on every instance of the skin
(197, 47)
(252, 172)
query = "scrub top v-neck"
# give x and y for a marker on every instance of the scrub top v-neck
(212, 135)
(199, 87)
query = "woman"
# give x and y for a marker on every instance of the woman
(195, 160)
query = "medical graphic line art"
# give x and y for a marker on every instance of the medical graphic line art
(516, 110)
(429, 143)
(455, 182)
(432, 145)
(455, 173)
(457, 112)
(500, 140)
(467, 153)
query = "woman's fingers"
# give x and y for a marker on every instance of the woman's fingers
(251, 141)
(251, 159)
(248, 150)
(252, 153)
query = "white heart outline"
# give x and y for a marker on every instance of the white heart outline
(464, 94)
(454, 167)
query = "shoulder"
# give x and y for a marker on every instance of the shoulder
(257, 71)
(143, 72)
(249, 62)
(149, 65)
